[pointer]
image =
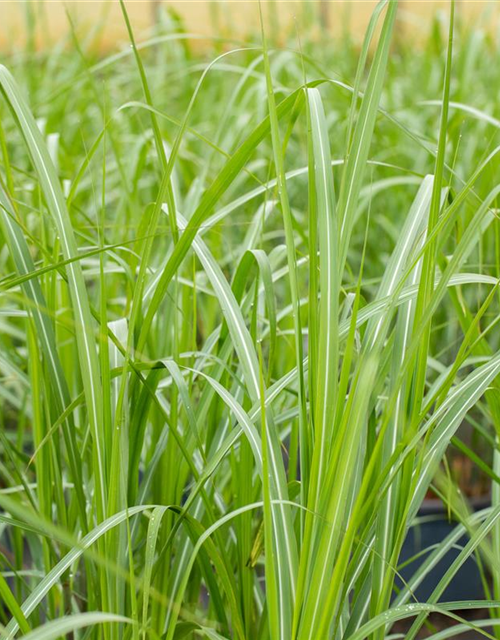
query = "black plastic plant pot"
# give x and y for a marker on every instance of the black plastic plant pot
(432, 528)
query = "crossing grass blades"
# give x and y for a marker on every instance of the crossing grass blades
(249, 309)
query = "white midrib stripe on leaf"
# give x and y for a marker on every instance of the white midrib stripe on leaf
(396, 263)
(35, 295)
(243, 418)
(386, 504)
(486, 371)
(328, 295)
(208, 532)
(380, 70)
(64, 626)
(372, 309)
(54, 574)
(197, 511)
(356, 160)
(254, 387)
(403, 254)
(473, 111)
(76, 277)
(334, 529)
(243, 339)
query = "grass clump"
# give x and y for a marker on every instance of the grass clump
(249, 311)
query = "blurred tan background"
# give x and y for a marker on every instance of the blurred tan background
(226, 18)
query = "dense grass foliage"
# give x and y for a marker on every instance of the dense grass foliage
(248, 305)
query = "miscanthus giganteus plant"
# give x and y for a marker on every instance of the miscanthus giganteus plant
(246, 308)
